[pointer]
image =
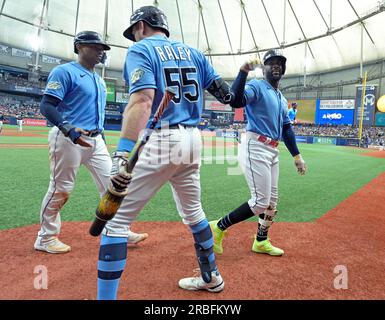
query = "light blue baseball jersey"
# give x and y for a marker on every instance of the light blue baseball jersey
(158, 62)
(291, 114)
(82, 93)
(266, 109)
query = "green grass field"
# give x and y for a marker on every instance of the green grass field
(334, 174)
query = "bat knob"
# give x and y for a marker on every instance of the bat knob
(97, 227)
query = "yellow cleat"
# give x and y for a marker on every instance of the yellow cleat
(218, 236)
(265, 246)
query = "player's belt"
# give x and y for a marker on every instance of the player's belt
(94, 133)
(267, 140)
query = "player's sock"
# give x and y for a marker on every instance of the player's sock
(240, 214)
(204, 243)
(262, 229)
(112, 260)
(264, 223)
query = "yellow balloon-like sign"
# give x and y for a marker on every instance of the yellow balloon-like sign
(381, 104)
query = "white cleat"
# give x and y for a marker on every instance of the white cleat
(134, 238)
(53, 245)
(197, 283)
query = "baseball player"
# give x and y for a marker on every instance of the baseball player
(74, 101)
(20, 123)
(1, 122)
(266, 110)
(153, 63)
(292, 113)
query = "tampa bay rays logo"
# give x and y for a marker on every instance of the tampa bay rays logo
(136, 16)
(369, 99)
(136, 75)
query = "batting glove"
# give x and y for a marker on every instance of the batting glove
(120, 178)
(69, 131)
(300, 164)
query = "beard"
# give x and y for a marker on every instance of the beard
(273, 77)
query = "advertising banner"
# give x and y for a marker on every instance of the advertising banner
(301, 139)
(113, 111)
(50, 60)
(336, 104)
(227, 134)
(216, 106)
(380, 119)
(336, 112)
(339, 116)
(35, 122)
(238, 115)
(347, 142)
(369, 105)
(122, 97)
(324, 140)
(12, 87)
(110, 91)
(21, 53)
(3, 49)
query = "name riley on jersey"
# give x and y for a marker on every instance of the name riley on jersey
(168, 53)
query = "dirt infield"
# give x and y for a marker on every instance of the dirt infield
(351, 235)
(376, 154)
(16, 133)
(216, 144)
(18, 145)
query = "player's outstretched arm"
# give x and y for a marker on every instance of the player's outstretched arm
(238, 86)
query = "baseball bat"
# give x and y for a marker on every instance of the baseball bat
(111, 200)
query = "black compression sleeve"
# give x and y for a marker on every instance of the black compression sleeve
(48, 109)
(238, 89)
(289, 139)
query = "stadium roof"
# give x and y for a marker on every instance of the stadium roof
(315, 35)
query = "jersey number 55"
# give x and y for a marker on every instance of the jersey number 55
(185, 80)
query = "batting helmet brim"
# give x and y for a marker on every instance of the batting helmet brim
(90, 37)
(106, 47)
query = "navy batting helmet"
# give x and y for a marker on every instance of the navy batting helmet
(275, 54)
(90, 37)
(150, 14)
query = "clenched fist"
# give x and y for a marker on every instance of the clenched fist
(120, 178)
(251, 64)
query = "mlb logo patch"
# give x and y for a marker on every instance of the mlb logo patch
(136, 75)
(54, 85)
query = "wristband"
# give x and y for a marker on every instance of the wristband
(126, 145)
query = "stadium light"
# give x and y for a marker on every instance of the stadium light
(308, 62)
(35, 42)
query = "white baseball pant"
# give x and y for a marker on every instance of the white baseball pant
(170, 155)
(262, 173)
(65, 160)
